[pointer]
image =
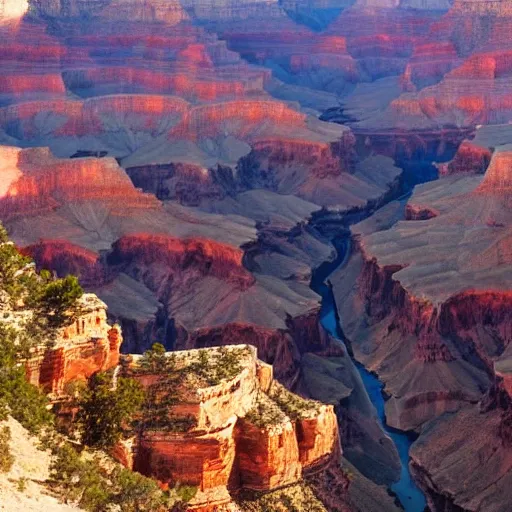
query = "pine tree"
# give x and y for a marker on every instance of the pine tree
(104, 411)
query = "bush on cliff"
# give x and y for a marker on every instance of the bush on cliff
(106, 409)
(17, 396)
(294, 406)
(6, 458)
(56, 301)
(215, 365)
(98, 484)
(32, 307)
(208, 367)
(53, 302)
(163, 394)
(295, 498)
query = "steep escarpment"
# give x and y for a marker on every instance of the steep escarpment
(35, 180)
(449, 319)
(155, 10)
(82, 349)
(206, 292)
(470, 158)
(243, 431)
(66, 258)
(474, 442)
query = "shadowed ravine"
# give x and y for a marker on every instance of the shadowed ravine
(408, 493)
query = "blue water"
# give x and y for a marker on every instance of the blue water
(410, 496)
(408, 493)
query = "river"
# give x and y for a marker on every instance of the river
(410, 496)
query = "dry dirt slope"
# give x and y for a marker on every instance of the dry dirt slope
(32, 466)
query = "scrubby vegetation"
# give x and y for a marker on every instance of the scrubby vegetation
(161, 396)
(273, 409)
(295, 498)
(265, 413)
(214, 366)
(209, 368)
(17, 396)
(98, 484)
(6, 458)
(105, 411)
(53, 303)
(294, 406)
(178, 375)
(33, 306)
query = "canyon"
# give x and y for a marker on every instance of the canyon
(195, 163)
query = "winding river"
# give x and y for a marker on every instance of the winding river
(410, 496)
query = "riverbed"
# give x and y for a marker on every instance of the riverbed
(409, 495)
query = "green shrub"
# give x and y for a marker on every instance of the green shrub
(84, 479)
(55, 302)
(295, 498)
(265, 413)
(294, 406)
(135, 492)
(104, 412)
(21, 399)
(21, 484)
(6, 458)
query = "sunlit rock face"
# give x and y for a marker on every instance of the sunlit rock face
(87, 346)
(12, 10)
(227, 445)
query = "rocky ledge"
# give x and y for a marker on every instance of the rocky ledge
(226, 426)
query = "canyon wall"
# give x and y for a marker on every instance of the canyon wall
(247, 431)
(86, 347)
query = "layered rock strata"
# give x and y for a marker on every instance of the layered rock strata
(448, 315)
(474, 445)
(88, 346)
(247, 431)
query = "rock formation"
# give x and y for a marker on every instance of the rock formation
(86, 347)
(440, 319)
(247, 431)
(476, 443)
(191, 184)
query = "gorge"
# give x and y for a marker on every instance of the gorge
(206, 167)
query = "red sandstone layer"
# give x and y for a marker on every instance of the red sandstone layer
(66, 258)
(202, 257)
(34, 180)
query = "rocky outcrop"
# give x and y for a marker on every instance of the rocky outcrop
(34, 181)
(86, 347)
(66, 258)
(275, 347)
(448, 315)
(201, 257)
(470, 159)
(428, 64)
(476, 443)
(245, 431)
(155, 10)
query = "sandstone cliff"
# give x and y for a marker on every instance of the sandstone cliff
(242, 431)
(86, 347)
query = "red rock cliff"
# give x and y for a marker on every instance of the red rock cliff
(84, 348)
(242, 435)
